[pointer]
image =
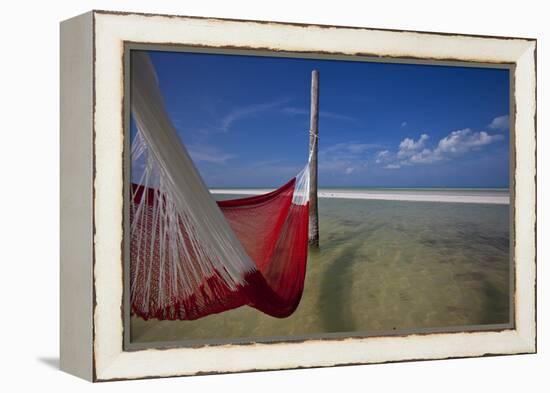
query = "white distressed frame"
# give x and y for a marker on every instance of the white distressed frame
(111, 30)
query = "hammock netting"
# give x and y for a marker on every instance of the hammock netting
(191, 256)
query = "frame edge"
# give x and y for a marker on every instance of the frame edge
(76, 196)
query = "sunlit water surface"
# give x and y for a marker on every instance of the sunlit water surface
(382, 266)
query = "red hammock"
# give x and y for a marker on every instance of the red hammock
(272, 230)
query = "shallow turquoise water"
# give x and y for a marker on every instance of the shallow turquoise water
(382, 265)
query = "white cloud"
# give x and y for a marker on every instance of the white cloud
(382, 156)
(295, 111)
(404, 124)
(211, 154)
(462, 141)
(322, 114)
(345, 158)
(426, 156)
(500, 123)
(409, 147)
(457, 143)
(248, 111)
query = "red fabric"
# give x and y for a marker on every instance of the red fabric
(274, 233)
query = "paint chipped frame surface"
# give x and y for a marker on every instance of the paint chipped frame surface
(112, 30)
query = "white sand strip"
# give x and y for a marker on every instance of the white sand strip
(412, 196)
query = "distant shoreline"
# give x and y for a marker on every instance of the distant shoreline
(421, 195)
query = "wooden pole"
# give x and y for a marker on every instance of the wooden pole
(313, 146)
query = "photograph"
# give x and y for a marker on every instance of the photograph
(239, 196)
(278, 197)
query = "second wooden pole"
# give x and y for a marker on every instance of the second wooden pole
(314, 145)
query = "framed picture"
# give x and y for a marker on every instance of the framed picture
(245, 195)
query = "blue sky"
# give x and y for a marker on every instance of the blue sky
(245, 120)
